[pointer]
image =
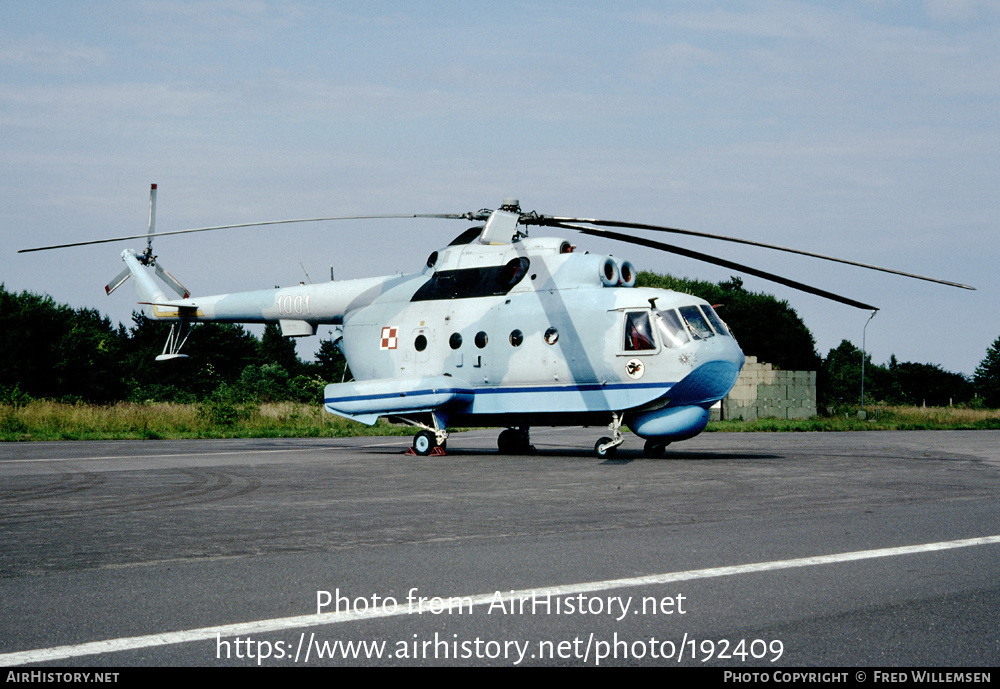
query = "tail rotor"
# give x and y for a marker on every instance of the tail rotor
(147, 258)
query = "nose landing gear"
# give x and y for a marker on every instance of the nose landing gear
(606, 448)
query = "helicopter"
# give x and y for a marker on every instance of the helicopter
(498, 329)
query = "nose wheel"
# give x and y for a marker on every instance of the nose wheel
(605, 448)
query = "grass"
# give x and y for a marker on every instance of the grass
(878, 418)
(45, 420)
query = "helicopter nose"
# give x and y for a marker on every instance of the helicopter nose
(690, 399)
(708, 383)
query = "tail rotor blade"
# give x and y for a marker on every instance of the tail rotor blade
(117, 281)
(152, 218)
(172, 282)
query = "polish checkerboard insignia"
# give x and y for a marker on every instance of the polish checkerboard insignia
(389, 338)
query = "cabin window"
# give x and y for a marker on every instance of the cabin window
(481, 339)
(672, 331)
(638, 332)
(516, 338)
(551, 336)
(455, 341)
(470, 283)
(696, 322)
(420, 344)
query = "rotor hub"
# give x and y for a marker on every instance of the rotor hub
(511, 205)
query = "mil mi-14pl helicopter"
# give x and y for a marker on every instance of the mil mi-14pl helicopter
(499, 329)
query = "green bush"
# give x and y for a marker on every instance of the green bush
(224, 409)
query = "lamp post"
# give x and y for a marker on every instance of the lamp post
(864, 334)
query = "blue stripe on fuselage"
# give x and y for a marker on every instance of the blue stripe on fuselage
(567, 398)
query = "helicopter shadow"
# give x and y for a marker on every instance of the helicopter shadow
(688, 457)
(621, 459)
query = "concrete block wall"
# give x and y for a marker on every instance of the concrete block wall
(762, 392)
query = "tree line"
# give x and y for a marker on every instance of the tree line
(53, 351)
(772, 331)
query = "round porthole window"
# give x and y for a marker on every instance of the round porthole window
(516, 338)
(420, 344)
(551, 336)
(455, 341)
(481, 339)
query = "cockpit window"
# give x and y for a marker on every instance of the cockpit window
(638, 333)
(673, 332)
(714, 319)
(696, 322)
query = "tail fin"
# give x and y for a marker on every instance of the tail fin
(145, 286)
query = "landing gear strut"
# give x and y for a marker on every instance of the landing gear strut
(606, 448)
(431, 440)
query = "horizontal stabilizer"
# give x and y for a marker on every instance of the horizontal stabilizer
(169, 305)
(176, 309)
(293, 328)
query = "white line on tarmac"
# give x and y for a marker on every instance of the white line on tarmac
(303, 621)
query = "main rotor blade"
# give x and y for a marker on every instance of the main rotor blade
(548, 220)
(449, 216)
(715, 260)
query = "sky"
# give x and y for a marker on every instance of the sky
(864, 129)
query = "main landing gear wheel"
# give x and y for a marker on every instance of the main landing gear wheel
(424, 443)
(605, 454)
(655, 449)
(514, 441)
